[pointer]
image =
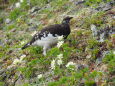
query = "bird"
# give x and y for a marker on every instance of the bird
(48, 36)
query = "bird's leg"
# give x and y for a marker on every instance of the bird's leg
(45, 48)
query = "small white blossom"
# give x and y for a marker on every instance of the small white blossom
(114, 52)
(17, 4)
(33, 33)
(60, 38)
(40, 76)
(21, 1)
(16, 61)
(53, 64)
(59, 62)
(60, 43)
(22, 57)
(60, 56)
(22, 42)
(7, 21)
(70, 63)
(88, 56)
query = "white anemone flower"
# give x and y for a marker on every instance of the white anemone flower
(53, 64)
(16, 61)
(40, 76)
(114, 52)
(59, 44)
(59, 62)
(22, 57)
(17, 5)
(60, 56)
(70, 63)
(33, 33)
(21, 1)
(60, 38)
(22, 42)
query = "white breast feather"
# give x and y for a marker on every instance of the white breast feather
(46, 40)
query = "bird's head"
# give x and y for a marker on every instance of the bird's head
(67, 19)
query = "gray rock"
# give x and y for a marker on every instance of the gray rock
(32, 28)
(1, 44)
(34, 9)
(80, 2)
(81, 66)
(102, 34)
(101, 38)
(99, 60)
(19, 81)
(94, 30)
(105, 7)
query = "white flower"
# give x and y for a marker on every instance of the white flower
(16, 61)
(22, 57)
(60, 56)
(60, 43)
(60, 37)
(40, 76)
(17, 4)
(33, 33)
(21, 1)
(22, 42)
(59, 62)
(88, 56)
(53, 64)
(7, 20)
(114, 52)
(70, 63)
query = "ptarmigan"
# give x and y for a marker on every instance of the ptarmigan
(48, 36)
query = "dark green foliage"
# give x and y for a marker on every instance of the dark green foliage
(110, 60)
(40, 2)
(16, 13)
(92, 2)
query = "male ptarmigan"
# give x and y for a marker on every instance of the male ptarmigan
(48, 36)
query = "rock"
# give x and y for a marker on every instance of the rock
(102, 34)
(80, 2)
(1, 44)
(101, 38)
(81, 66)
(7, 21)
(105, 7)
(99, 59)
(33, 23)
(33, 28)
(13, 30)
(19, 81)
(34, 9)
(94, 30)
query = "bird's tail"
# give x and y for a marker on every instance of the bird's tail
(25, 46)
